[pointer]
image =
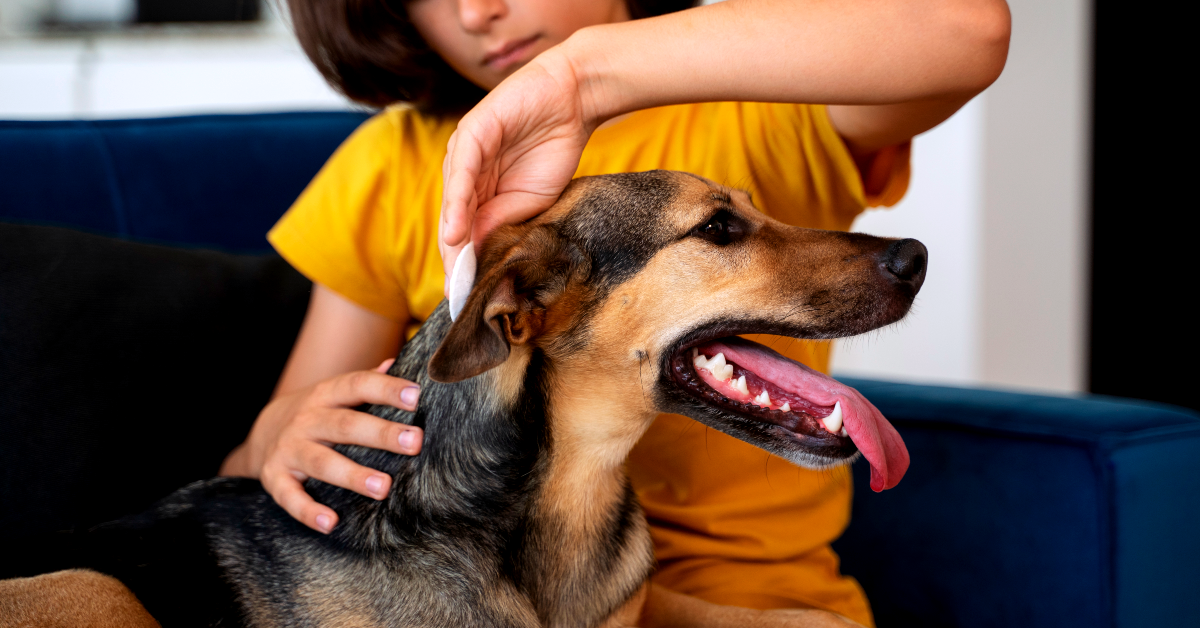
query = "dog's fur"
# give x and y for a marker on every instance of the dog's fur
(518, 512)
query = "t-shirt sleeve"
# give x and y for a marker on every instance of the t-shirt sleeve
(888, 174)
(803, 172)
(340, 232)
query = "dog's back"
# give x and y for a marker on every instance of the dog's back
(221, 553)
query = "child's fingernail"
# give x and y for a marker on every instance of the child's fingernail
(410, 440)
(375, 485)
(409, 396)
(325, 523)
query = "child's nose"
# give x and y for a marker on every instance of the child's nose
(476, 16)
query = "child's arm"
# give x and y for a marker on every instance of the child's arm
(889, 70)
(331, 370)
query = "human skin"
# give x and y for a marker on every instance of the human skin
(328, 372)
(891, 69)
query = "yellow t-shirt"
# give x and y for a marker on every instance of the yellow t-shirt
(731, 524)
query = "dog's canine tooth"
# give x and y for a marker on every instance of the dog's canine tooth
(844, 432)
(764, 399)
(786, 407)
(715, 365)
(833, 422)
(716, 362)
(740, 385)
(719, 368)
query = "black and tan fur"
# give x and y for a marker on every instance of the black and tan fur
(518, 512)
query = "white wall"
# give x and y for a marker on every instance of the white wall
(1036, 217)
(940, 340)
(999, 195)
(157, 72)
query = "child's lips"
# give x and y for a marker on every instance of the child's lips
(508, 54)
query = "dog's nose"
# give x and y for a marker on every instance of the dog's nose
(906, 260)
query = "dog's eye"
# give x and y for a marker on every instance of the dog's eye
(721, 229)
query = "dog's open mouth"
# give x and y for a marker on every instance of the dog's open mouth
(748, 379)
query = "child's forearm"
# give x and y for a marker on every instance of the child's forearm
(934, 53)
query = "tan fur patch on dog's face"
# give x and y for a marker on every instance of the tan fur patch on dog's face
(807, 279)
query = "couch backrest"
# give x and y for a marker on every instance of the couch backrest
(215, 181)
(128, 369)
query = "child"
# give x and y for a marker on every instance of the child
(543, 77)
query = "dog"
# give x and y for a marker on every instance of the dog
(623, 301)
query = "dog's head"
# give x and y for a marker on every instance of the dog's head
(635, 287)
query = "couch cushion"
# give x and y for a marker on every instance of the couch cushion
(128, 369)
(1030, 510)
(214, 181)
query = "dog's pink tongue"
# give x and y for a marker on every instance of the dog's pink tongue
(871, 433)
(878, 441)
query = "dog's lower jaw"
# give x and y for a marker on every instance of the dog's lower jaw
(769, 437)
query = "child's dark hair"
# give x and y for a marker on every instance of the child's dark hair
(369, 51)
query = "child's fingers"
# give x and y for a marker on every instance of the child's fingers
(385, 365)
(289, 493)
(323, 463)
(460, 174)
(348, 427)
(359, 387)
(509, 208)
(449, 256)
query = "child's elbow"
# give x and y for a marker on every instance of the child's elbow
(985, 28)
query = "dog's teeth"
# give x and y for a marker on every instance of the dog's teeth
(740, 385)
(786, 407)
(833, 422)
(764, 399)
(719, 368)
(715, 365)
(844, 432)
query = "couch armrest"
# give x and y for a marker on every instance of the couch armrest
(1029, 510)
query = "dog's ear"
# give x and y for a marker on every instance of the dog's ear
(508, 304)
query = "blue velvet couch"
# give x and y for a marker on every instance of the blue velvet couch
(1018, 510)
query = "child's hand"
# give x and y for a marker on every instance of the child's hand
(514, 153)
(291, 441)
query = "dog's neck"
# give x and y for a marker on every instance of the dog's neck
(536, 479)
